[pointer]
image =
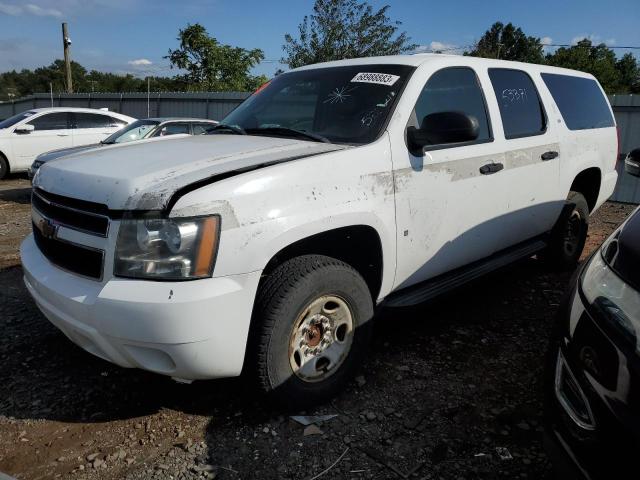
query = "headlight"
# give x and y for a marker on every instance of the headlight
(614, 300)
(167, 248)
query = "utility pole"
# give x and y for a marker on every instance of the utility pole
(66, 42)
(148, 96)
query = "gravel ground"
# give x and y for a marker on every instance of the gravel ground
(445, 386)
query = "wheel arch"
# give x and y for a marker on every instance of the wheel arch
(588, 183)
(358, 245)
(6, 159)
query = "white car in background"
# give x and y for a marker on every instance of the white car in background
(138, 130)
(28, 134)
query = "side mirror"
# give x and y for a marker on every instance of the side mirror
(24, 128)
(632, 163)
(442, 128)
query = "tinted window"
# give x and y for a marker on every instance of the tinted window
(51, 121)
(134, 131)
(520, 106)
(92, 120)
(454, 90)
(580, 101)
(201, 128)
(116, 122)
(172, 129)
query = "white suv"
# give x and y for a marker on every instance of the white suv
(28, 134)
(267, 244)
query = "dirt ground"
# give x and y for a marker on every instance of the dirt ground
(444, 386)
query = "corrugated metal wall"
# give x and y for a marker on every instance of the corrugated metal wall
(200, 105)
(216, 105)
(626, 108)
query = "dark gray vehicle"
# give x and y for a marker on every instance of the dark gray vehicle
(138, 130)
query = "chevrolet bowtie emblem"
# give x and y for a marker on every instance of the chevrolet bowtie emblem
(48, 228)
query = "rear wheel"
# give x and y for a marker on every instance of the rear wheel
(312, 325)
(569, 235)
(4, 167)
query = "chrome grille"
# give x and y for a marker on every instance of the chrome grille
(78, 215)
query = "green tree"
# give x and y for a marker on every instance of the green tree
(598, 60)
(629, 72)
(508, 42)
(339, 29)
(211, 65)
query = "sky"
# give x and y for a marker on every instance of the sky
(132, 36)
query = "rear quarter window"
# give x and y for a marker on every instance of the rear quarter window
(520, 106)
(580, 100)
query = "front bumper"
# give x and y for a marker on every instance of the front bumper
(609, 448)
(189, 330)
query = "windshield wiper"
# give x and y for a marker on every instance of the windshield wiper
(231, 128)
(286, 131)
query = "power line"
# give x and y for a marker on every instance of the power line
(575, 44)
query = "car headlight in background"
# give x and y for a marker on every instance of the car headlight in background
(614, 300)
(167, 248)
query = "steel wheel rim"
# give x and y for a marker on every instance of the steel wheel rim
(572, 233)
(321, 338)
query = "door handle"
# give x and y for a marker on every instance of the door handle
(490, 168)
(62, 134)
(549, 156)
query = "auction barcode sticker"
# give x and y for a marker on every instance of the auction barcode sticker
(379, 78)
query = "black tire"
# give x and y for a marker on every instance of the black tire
(283, 302)
(4, 167)
(569, 235)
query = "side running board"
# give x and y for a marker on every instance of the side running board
(448, 281)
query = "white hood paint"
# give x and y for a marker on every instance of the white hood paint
(144, 175)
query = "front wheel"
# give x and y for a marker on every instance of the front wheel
(4, 167)
(312, 321)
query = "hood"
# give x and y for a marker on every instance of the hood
(61, 152)
(626, 262)
(144, 175)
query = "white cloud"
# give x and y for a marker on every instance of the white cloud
(546, 40)
(29, 9)
(436, 46)
(610, 42)
(8, 9)
(42, 12)
(140, 62)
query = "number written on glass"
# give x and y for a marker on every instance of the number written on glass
(514, 95)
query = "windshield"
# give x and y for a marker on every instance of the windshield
(134, 131)
(340, 104)
(15, 119)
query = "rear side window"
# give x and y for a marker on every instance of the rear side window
(51, 121)
(580, 100)
(116, 122)
(201, 128)
(454, 89)
(520, 106)
(92, 120)
(173, 129)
